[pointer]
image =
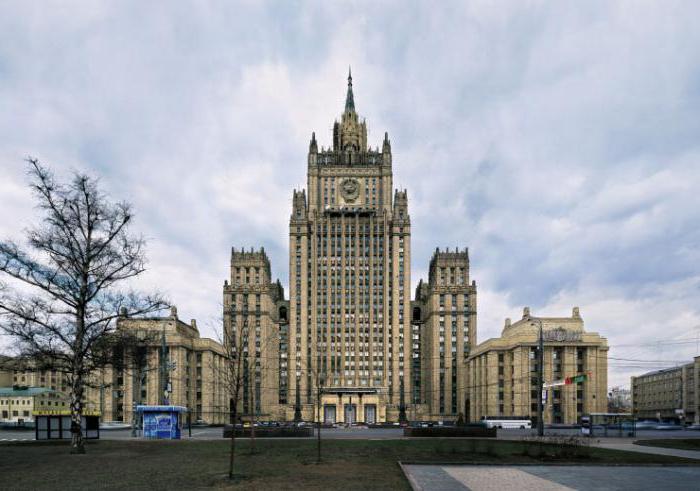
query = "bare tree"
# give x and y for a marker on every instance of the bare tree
(255, 404)
(238, 377)
(62, 299)
(234, 373)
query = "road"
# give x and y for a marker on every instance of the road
(359, 432)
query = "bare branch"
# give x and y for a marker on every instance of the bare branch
(76, 258)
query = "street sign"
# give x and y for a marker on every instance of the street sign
(568, 380)
(556, 383)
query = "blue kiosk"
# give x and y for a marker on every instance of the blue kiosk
(162, 422)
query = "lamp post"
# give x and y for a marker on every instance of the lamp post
(540, 377)
(319, 388)
(163, 369)
(136, 398)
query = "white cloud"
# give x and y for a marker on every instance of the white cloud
(557, 141)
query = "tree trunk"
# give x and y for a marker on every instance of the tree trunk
(318, 435)
(137, 382)
(233, 446)
(76, 413)
(252, 436)
(252, 421)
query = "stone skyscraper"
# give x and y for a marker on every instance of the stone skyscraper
(349, 326)
(350, 250)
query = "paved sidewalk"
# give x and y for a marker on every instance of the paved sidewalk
(550, 477)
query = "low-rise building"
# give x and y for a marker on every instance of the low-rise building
(668, 394)
(18, 403)
(502, 372)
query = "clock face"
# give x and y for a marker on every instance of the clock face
(350, 189)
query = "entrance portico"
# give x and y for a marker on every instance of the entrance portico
(352, 405)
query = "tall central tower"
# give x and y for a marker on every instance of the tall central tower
(350, 255)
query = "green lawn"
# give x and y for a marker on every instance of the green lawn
(679, 443)
(280, 464)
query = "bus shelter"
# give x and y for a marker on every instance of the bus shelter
(162, 422)
(55, 425)
(608, 424)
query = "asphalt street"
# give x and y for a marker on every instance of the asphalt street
(360, 432)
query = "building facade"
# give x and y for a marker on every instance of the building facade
(444, 313)
(345, 340)
(669, 394)
(502, 372)
(255, 311)
(619, 400)
(6, 371)
(177, 367)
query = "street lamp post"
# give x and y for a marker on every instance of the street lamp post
(319, 388)
(163, 369)
(540, 378)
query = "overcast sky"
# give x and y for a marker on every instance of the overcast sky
(559, 141)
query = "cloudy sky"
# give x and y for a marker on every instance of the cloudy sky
(559, 141)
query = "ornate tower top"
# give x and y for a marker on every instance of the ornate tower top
(350, 147)
(350, 135)
(349, 98)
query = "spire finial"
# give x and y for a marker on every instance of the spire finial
(349, 99)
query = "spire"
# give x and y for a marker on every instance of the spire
(349, 99)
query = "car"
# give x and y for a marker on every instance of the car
(645, 425)
(693, 427)
(668, 427)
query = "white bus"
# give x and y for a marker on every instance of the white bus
(506, 422)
